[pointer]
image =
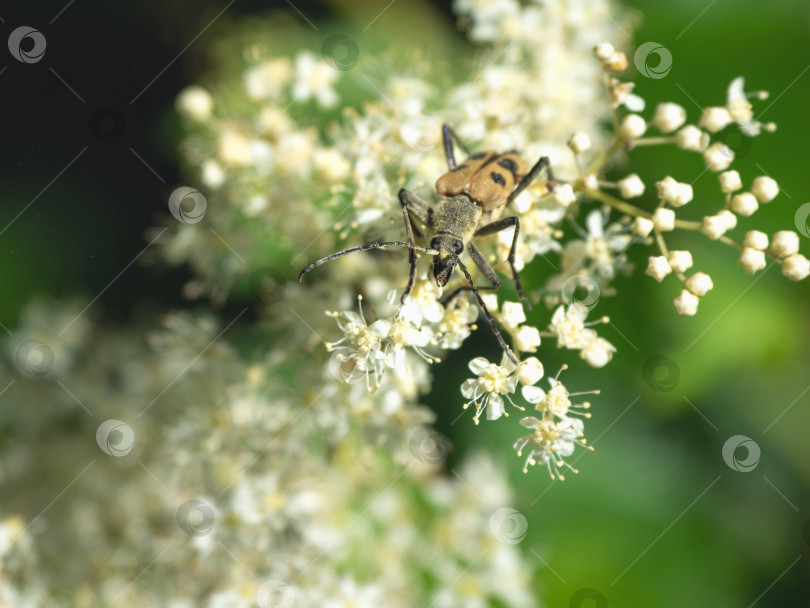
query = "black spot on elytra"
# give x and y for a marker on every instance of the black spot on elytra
(458, 168)
(478, 156)
(509, 165)
(498, 178)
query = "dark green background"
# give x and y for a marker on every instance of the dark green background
(743, 360)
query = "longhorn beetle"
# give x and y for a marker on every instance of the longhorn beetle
(472, 196)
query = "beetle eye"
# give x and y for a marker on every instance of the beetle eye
(434, 244)
(458, 247)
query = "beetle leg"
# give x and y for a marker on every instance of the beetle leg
(541, 164)
(497, 226)
(448, 136)
(485, 269)
(412, 204)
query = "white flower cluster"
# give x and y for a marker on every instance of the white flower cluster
(237, 484)
(669, 119)
(324, 185)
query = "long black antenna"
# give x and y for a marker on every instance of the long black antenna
(483, 306)
(328, 258)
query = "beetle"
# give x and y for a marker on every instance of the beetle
(472, 196)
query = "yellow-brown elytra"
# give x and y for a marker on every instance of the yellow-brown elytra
(472, 197)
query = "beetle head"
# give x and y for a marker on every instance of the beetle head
(444, 262)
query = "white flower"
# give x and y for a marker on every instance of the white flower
(715, 119)
(511, 315)
(756, 240)
(363, 343)
(686, 303)
(765, 188)
(267, 80)
(664, 219)
(569, 325)
(699, 283)
(632, 127)
(487, 389)
(675, 193)
(457, 323)
(555, 402)
(642, 226)
(744, 203)
(631, 186)
(796, 267)
(718, 157)
(550, 443)
(668, 117)
(740, 108)
(423, 303)
(530, 371)
(597, 351)
(691, 138)
(527, 338)
(785, 243)
(752, 260)
(195, 103)
(680, 261)
(713, 226)
(730, 181)
(658, 267)
(579, 142)
(563, 195)
(314, 80)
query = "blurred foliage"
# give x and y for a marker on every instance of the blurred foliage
(655, 518)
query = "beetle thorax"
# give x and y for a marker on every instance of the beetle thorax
(457, 216)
